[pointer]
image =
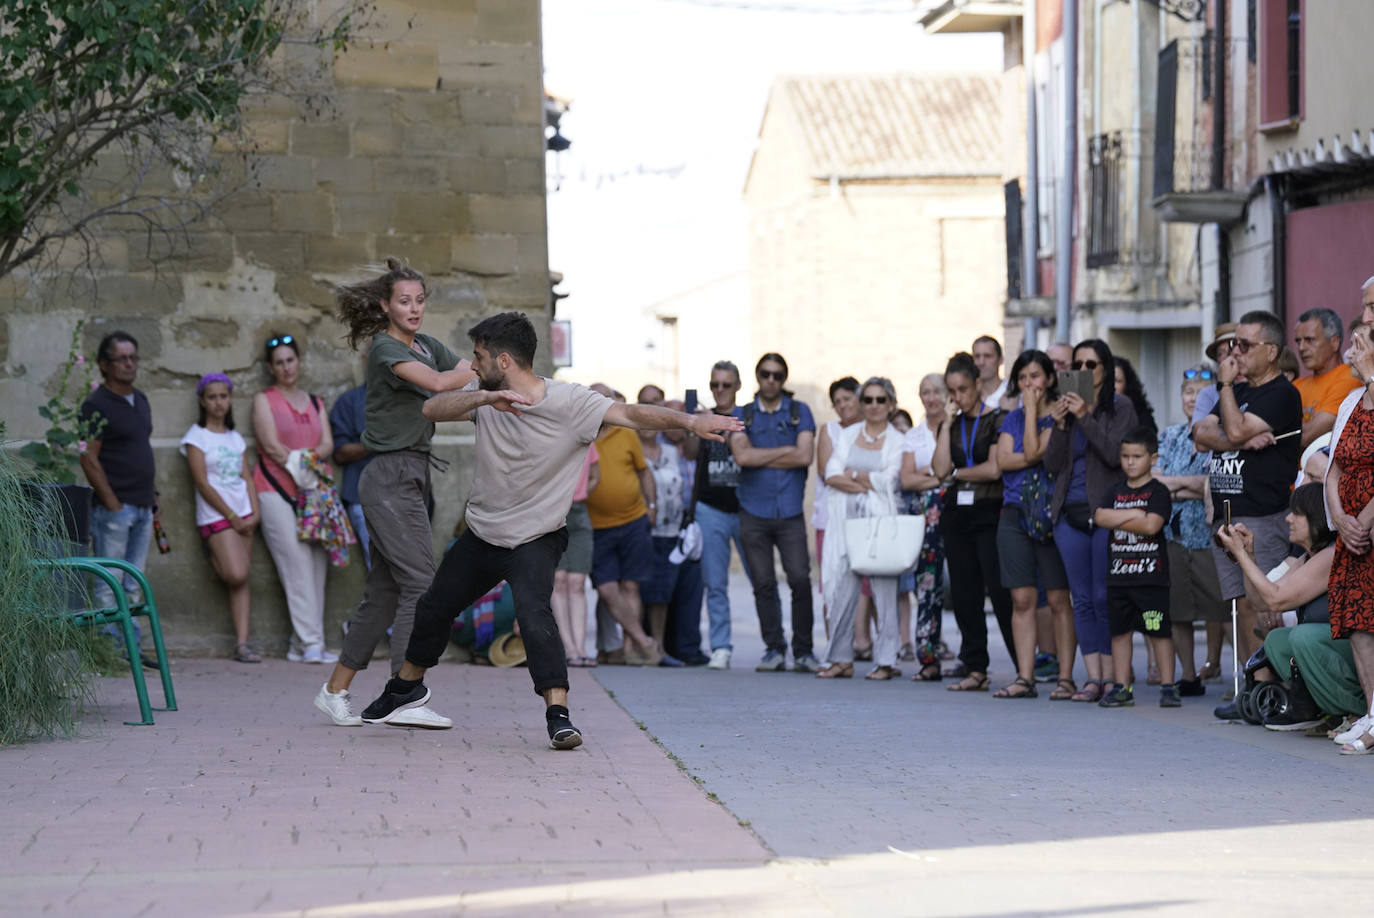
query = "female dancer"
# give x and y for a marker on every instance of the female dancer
(226, 508)
(404, 368)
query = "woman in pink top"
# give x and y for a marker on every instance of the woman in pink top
(286, 418)
(569, 580)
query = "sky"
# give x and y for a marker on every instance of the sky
(666, 101)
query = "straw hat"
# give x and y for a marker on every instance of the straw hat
(1225, 332)
(506, 650)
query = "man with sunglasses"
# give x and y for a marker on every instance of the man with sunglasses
(1254, 437)
(118, 462)
(1318, 337)
(774, 451)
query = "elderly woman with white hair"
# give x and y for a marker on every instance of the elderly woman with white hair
(862, 481)
(924, 495)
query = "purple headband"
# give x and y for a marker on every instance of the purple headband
(213, 378)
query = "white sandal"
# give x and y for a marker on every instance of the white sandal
(1364, 745)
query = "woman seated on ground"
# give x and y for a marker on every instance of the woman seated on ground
(1327, 666)
(861, 481)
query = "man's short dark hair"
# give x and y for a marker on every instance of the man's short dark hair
(1332, 326)
(107, 344)
(508, 333)
(844, 382)
(1269, 324)
(1145, 436)
(989, 339)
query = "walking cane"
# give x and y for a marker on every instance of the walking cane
(1235, 632)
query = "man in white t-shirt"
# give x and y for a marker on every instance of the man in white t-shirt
(532, 435)
(987, 356)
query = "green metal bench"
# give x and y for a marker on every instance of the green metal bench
(122, 614)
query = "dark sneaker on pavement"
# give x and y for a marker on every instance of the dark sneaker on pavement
(1046, 667)
(695, 659)
(1168, 697)
(1291, 721)
(562, 734)
(772, 662)
(806, 663)
(1228, 711)
(1120, 696)
(390, 703)
(1191, 688)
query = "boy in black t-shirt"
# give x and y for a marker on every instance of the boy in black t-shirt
(1138, 568)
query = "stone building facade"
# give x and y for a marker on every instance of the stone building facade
(428, 145)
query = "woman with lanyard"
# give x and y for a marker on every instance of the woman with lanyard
(404, 368)
(966, 459)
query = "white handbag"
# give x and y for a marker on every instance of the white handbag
(884, 546)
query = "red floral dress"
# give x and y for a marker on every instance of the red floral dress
(1351, 587)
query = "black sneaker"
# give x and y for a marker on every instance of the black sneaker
(389, 703)
(1228, 711)
(1191, 688)
(1120, 696)
(1168, 697)
(1291, 721)
(562, 734)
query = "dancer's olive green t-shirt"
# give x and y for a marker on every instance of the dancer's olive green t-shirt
(528, 466)
(394, 420)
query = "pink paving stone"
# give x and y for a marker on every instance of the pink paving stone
(248, 799)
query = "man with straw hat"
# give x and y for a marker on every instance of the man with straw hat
(532, 437)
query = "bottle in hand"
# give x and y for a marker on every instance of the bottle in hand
(160, 534)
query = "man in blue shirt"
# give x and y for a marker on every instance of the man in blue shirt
(773, 453)
(347, 421)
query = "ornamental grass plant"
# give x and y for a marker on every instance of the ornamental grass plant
(46, 660)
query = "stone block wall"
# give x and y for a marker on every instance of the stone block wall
(426, 144)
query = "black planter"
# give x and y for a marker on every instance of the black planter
(67, 505)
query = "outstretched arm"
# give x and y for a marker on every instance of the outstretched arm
(653, 417)
(458, 406)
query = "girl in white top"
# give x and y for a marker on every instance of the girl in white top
(226, 508)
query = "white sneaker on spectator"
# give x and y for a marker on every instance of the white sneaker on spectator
(720, 659)
(338, 706)
(1358, 729)
(315, 653)
(420, 717)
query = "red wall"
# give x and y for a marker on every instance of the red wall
(1330, 254)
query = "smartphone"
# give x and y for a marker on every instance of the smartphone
(1077, 381)
(1226, 508)
(689, 403)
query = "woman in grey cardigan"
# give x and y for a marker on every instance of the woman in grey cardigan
(1084, 456)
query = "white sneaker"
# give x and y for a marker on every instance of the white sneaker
(1357, 729)
(338, 707)
(313, 654)
(720, 659)
(420, 717)
(327, 656)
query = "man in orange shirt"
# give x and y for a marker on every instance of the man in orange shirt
(622, 554)
(1318, 338)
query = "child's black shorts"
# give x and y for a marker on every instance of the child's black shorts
(1139, 608)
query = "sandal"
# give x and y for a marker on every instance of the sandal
(907, 654)
(1020, 687)
(1064, 690)
(863, 653)
(1362, 745)
(836, 671)
(243, 653)
(1091, 692)
(973, 682)
(928, 673)
(883, 673)
(1210, 672)
(958, 671)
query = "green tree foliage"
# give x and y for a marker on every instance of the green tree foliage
(147, 83)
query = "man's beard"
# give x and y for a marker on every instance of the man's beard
(492, 385)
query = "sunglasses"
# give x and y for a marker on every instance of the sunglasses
(1245, 344)
(1198, 374)
(721, 386)
(775, 375)
(874, 399)
(279, 341)
(1085, 365)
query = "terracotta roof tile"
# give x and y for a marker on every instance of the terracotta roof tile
(900, 124)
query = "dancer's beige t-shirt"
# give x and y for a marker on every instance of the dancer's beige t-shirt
(527, 466)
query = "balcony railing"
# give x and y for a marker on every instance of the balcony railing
(1104, 199)
(1190, 171)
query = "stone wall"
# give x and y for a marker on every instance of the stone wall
(428, 145)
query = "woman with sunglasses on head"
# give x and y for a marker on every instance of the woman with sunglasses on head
(861, 480)
(226, 508)
(287, 418)
(1025, 540)
(1194, 591)
(404, 368)
(966, 460)
(1084, 456)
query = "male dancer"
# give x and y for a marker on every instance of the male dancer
(532, 435)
